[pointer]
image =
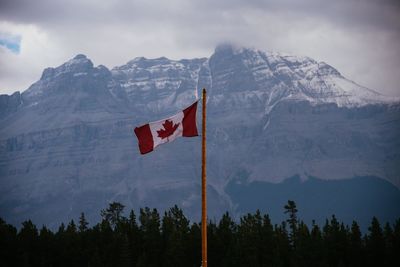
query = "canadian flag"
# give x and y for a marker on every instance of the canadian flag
(159, 132)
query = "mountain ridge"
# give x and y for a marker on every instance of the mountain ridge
(261, 63)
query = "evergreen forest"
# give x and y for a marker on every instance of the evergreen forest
(170, 240)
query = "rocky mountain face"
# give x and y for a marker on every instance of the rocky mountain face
(67, 142)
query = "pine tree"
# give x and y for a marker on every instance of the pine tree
(46, 245)
(83, 224)
(8, 244)
(302, 253)
(355, 246)
(212, 245)
(194, 247)
(134, 238)
(335, 241)
(226, 243)
(249, 238)
(71, 228)
(113, 214)
(375, 244)
(389, 245)
(151, 238)
(71, 249)
(132, 221)
(175, 229)
(316, 246)
(396, 244)
(282, 246)
(267, 242)
(291, 209)
(28, 238)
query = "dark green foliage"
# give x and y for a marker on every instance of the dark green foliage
(290, 208)
(9, 245)
(395, 249)
(316, 245)
(171, 240)
(226, 242)
(282, 249)
(375, 244)
(28, 240)
(151, 241)
(113, 214)
(194, 245)
(174, 232)
(356, 246)
(250, 239)
(83, 224)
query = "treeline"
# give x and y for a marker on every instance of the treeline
(171, 240)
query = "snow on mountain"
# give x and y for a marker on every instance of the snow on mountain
(79, 65)
(269, 77)
(159, 83)
(273, 77)
(66, 95)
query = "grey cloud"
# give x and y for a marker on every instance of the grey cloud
(383, 14)
(354, 15)
(181, 28)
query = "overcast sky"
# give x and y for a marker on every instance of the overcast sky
(358, 37)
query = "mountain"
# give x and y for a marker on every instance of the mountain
(67, 142)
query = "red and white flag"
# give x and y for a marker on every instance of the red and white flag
(159, 132)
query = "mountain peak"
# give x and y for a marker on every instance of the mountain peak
(80, 56)
(227, 48)
(136, 59)
(79, 63)
(79, 59)
(77, 73)
(279, 76)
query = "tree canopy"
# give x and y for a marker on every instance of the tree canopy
(172, 240)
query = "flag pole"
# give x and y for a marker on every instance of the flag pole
(203, 186)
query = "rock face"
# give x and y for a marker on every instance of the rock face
(67, 142)
(9, 104)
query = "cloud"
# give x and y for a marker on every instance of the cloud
(359, 38)
(36, 52)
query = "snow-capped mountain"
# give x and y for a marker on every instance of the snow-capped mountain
(273, 77)
(67, 143)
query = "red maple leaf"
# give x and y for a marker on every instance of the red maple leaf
(169, 129)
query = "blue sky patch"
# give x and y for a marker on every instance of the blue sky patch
(11, 42)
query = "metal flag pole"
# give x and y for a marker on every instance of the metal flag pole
(203, 187)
